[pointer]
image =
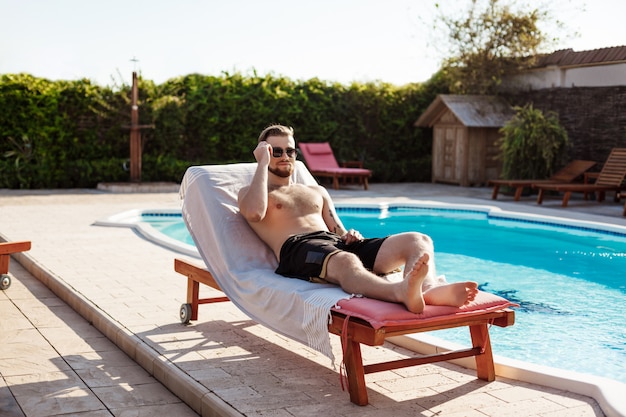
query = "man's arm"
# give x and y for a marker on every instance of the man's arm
(252, 199)
(330, 215)
(334, 223)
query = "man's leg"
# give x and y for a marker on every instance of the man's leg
(346, 270)
(405, 249)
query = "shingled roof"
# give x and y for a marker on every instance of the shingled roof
(471, 110)
(569, 58)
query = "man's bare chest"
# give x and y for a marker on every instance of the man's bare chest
(297, 199)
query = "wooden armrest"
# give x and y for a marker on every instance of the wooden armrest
(13, 247)
(196, 273)
(6, 250)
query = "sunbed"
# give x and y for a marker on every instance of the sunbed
(238, 263)
(610, 178)
(321, 161)
(565, 175)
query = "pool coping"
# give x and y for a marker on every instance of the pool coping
(605, 391)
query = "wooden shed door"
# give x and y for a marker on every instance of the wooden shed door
(449, 154)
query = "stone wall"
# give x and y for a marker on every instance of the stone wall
(594, 117)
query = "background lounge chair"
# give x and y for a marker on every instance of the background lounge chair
(321, 162)
(610, 178)
(567, 174)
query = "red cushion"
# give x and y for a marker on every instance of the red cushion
(319, 148)
(381, 313)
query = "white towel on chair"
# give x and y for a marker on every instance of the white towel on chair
(243, 265)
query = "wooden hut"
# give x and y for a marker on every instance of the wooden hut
(465, 136)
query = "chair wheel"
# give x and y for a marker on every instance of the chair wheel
(5, 282)
(185, 313)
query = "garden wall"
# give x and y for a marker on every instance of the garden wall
(594, 117)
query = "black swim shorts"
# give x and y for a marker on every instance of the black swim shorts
(305, 256)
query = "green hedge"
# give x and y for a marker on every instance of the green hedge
(69, 134)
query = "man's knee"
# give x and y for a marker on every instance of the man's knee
(420, 240)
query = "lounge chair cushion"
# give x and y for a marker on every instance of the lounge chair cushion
(380, 313)
(319, 149)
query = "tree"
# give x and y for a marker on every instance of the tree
(488, 41)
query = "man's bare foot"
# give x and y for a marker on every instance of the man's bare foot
(413, 297)
(456, 294)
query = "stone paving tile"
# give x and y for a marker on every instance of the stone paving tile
(53, 362)
(125, 395)
(530, 407)
(174, 410)
(51, 393)
(8, 403)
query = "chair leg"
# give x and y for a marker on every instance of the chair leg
(518, 193)
(354, 369)
(566, 197)
(485, 369)
(4, 263)
(540, 196)
(494, 194)
(193, 294)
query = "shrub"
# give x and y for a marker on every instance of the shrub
(533, 145)
(66, 134)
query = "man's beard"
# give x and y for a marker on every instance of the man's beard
(283, 173)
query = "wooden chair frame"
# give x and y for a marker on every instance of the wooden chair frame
(609, 179)
(565, 175)
(6, 250)
(354, 331)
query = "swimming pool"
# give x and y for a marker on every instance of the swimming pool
(569, 281)
(566, 277)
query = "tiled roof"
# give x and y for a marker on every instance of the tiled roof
(568, 57)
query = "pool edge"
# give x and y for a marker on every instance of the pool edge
(607, 392)
(129, 219)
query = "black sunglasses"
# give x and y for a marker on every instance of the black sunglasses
(278, 152)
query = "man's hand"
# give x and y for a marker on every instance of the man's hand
(263, 153)
(352, 236)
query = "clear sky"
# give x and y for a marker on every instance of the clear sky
(334, 40)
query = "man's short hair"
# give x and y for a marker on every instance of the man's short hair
(275, 130)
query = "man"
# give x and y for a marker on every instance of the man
(299, 223)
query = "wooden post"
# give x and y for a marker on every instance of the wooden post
(135, 134)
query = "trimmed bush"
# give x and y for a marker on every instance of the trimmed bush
(67, 134)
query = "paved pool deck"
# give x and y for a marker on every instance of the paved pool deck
(90, 326)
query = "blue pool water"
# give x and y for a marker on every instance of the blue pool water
(569, 281)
